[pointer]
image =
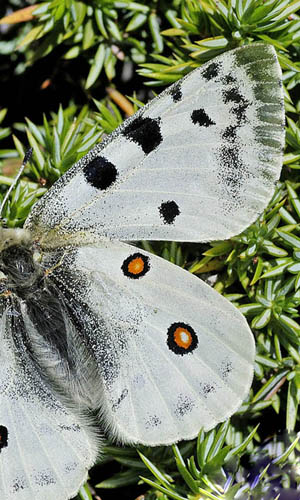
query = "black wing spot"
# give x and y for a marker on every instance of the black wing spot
(145, 132)
(240, 111)
(169, 210)
(226, 368)
(230, 133)
(211, 71)
(200, 117)
(3, 437)
(136, 266)
(233, 95)
(100, 173)
(175, 92)
(230, 158)
(152, 422)
(70, 467)
(207, 388)
(44, 478)
(19, 484)
(184, 405)
(181, 338)
(228, 79)
(232, 172)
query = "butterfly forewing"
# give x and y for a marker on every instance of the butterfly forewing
(197, 163)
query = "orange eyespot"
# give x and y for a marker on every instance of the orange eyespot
(181, 338)
(136, 266)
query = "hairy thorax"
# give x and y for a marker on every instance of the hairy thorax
(20, 271)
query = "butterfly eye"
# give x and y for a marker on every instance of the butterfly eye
(3, 437)
(136, 266)
(100, 173)
(181, 338)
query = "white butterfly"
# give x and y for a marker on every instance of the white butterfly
(89, 322)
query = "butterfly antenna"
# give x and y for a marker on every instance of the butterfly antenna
(27, 158)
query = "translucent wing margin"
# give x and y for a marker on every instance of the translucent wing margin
(173, 355)
(197, 163)
(45, 449)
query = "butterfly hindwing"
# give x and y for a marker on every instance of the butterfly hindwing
(45, 448)
(173, 355)
(197, 163)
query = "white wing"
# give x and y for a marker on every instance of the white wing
(173, 355)
(197, 163)
(45, 449)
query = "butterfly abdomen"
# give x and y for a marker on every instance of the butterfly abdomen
(31, 298)
(25, 281)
